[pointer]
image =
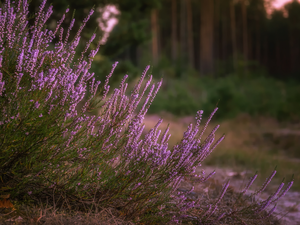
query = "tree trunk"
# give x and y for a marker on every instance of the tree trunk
(294, 51)
(224, 34)
(207, 37)
(258, 45)
(217, 30)
(174, 32)
(154, 29)
(245, 33)
(139, 54)
(266, 52)
(233, 35)
(250, 48)
(190, 34)
(278, 61)
(183, 31)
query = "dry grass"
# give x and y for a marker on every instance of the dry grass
(31, 214)
(43, 214)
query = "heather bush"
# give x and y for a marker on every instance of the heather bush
(49, 150)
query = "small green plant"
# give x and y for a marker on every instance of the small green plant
(50, 151)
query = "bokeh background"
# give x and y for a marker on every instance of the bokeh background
(240, 55)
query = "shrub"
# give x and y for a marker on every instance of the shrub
(176, 100)
(51, 151)
(256, 96)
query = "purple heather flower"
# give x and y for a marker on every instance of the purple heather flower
(221, 216)
(37, 104)
(270, 212)
(207, 122)
(290, 184)
(136, 186)
(268, 180)
(264, 206)
(250, 183)
(208, 176)
(226, 185)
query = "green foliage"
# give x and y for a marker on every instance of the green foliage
(175, 99)
(233, 95)
(103, 67)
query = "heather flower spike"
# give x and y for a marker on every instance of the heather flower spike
(268, 180)
(249, 183)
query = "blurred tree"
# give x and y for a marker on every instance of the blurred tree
(207, 37)
(132, 29)
(81, 9)
(293, 12)
(190, 33)
(155, 35)
(257, 17)
(225, 20)
(245, 33)
(174, 45)
(133, 21)
(163, 31)
(183, 32)
(276, 37)
(217, 39)
(233, 34)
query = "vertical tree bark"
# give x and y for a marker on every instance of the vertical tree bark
(294, 50)
(174, 50)
(207, 37)
(154, 30)
(250, 47)
(183, 31)
(245, 32)
(224, 35)
(258, 44)
(139, 53)
(190, 34)
(266, 52)
(277, 50)
(217, 29)
(233, 35)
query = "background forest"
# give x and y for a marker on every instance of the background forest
(235, 53)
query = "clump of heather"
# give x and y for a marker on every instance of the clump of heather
(242, 208)
(51, 150)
